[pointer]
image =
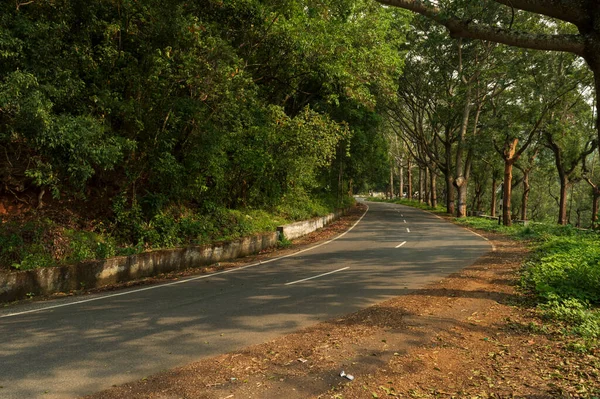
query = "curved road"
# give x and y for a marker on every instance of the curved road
(76, 346)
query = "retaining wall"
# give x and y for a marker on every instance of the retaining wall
(16, 285)
(298, 229)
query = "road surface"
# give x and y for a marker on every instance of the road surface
(80, 345)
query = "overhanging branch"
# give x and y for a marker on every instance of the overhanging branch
(460, 28)
(570, 11)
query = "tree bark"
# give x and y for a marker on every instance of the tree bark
(510, 157)
(449, 180)
(421, 184)
(575, 44)
(409, 194)
(392, 179)
(507, 192)
(595, 200)
(401, 178)
(432, 187)
(460, 180)
(525, 198)
(493, 204)
(562, 207)
(426, 185)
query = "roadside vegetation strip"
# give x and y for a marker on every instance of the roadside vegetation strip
(563, 273)
(12, 288)
(35, 241)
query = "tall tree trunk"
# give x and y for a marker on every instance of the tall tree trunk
(432, 187)
(594, 63)
(461, 188)
(426, 185)
(392, 180)
(507, 192)
(449, 179)
(401, 178)
(562, 208)
(595, 67)
(493, 204)
(509, 159)
(420, 184)
(409, 178)
(595, 200)
(525, 198)
(479, 190)
(459, 180)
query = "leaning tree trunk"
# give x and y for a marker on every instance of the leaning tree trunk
(562, 208)
(525, 198)
(493, 204)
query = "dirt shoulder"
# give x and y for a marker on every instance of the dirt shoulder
(470, 335)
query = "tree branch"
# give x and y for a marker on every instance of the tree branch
(565, 10)
(467, 29)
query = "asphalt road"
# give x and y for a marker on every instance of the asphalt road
(76, 346)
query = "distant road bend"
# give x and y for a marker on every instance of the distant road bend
(76, 346)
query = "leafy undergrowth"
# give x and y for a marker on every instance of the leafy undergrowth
(35, 241)
(563, 274)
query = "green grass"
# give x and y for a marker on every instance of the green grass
(563, 273)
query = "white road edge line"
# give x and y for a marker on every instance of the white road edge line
(401, 244)
(485, 238)
(320, 275)
(189, 279)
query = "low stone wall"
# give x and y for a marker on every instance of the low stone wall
(93, 274)
(299, 229)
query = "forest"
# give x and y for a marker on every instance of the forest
(127, 126)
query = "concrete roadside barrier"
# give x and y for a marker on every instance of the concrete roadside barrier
(15, 285)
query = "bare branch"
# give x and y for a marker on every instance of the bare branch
(19, 5)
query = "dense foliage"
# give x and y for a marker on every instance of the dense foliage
(138, 113)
